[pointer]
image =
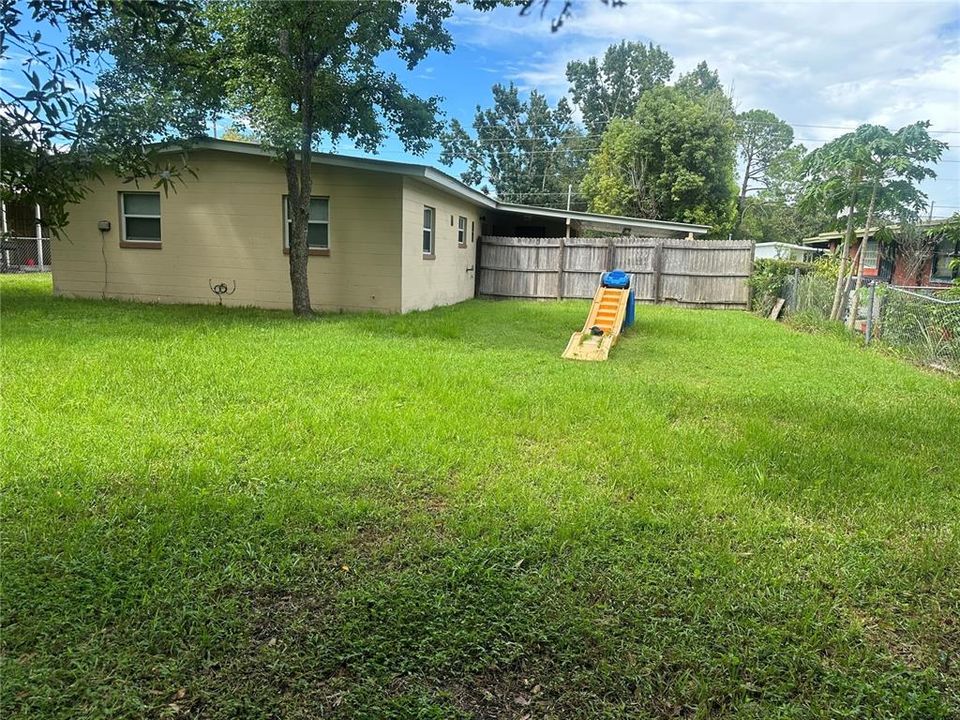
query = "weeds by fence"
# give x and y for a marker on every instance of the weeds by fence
(922, 324)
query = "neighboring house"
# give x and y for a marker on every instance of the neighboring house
(24, 239)
(383, 235)
(885, 263)
(786, 251)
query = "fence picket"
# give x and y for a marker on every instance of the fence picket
(702, 273)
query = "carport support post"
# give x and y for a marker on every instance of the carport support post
(39, 237)
(872, 297)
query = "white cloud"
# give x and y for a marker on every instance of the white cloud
(812, 63)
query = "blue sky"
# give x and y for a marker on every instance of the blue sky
(822, 66)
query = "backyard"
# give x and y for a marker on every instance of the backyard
(225, 513)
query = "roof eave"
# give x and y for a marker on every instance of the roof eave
(620, 220)
(446, 182)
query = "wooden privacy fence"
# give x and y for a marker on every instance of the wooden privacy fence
(702, 273)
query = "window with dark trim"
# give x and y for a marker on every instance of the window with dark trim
(318, 225)
(462, 231)
(140, 219)
(428, 230)
(943, 268)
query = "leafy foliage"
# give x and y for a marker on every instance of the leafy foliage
(528, 151)
(841, 175)
(672, 160)
(762, 141)
(57, 136)
(607, 89)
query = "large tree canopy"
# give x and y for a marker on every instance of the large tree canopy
(610, 88)
(56, 134)
(527, 150)
(673, 160)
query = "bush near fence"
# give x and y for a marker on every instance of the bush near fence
(773, 279)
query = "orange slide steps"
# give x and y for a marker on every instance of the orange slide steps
(606, 314)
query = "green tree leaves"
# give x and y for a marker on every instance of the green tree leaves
(529, 151)
(609, 88)
(672, 160)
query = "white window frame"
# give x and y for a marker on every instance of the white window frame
(462, 231)
(432, 230)
(314, 249)
(869, 249)
(125, 239)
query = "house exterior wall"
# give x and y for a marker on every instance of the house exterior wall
(227, 226)
(449, 276)
(902, 277)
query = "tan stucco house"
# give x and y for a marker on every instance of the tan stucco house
(383, 235)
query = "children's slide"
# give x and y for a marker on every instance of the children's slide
(610, 313)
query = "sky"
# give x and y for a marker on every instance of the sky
(825, 67)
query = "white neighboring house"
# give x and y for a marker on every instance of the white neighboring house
(785, 251)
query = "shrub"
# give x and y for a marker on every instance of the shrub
(766, 282)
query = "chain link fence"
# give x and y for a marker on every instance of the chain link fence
(922, 324)
(24, 254)
(809, 294)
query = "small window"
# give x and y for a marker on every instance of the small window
(941, 269)
(318, 225)
(141, 219)
(871, 255)
(428, 226)
(473, 234)
(462, 231)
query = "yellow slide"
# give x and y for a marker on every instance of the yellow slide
(606, 316)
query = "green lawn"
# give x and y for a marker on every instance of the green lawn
(233, 514)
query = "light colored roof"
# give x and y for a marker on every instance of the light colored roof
(432, 176)
(788, 246)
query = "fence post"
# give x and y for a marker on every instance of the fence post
(560, 266)
(609, 262)
(657, 270)
(39, 238)
(5, 255)
(873, 294)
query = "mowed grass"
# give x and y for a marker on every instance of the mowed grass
(233, 514)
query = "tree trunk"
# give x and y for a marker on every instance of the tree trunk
(742, 200)
(299, 214)
(855, 303)
(844, 253)
(299, 188)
